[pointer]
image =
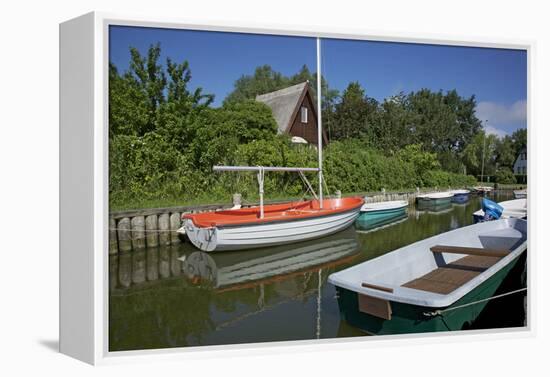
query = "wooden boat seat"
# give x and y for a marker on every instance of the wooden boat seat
(481, 251)
(444, 280)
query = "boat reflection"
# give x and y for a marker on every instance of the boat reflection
(364, 224)
(238, 270)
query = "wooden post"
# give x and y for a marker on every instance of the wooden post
(174, 225)
(151, 227)
(113, 241)
(138, 232)
(164, 227)
(124, 236)
(237, 199)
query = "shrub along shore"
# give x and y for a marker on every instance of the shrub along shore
(165, 137)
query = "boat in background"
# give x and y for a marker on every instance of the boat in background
(374, 215)
(516, 208)
(270, 225)
(441, 283)
(460, 196)
(520, 194)
(434, 201)
(483, 190)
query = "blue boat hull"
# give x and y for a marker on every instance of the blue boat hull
(460, 198)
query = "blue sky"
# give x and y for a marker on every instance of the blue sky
(497, 77)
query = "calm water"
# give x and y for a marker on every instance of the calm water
(178, 296)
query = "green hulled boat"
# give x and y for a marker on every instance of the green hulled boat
(434, 201)
(438, 284)
(375, 215)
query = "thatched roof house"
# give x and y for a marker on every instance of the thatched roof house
(294, 111)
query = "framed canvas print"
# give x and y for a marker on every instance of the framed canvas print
(223, 185)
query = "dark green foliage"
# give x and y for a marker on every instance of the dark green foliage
(505, 175)
(165, 138)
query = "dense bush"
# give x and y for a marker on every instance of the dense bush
(505, 176)
(164, 139)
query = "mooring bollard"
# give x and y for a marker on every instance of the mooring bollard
(164, 227)
(124, 235)
(237, 200)
(151, 227)
(338, 194)
(138, 232)
(174, 226)
(113, 241)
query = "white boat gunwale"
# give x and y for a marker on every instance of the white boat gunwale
(266, 221)
(424, 298)
(380, 206)
(460, 192)
(435, 195)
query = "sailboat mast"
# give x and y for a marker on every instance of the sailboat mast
(319, 124)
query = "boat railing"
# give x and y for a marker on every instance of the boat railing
(262, 169)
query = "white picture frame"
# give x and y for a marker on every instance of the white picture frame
(84, 187)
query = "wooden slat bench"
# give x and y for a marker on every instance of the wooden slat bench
(446, 279)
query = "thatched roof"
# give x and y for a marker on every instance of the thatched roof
(283, 103)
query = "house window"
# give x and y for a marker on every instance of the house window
(303, 114)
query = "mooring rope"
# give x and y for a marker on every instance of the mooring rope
(440, 312)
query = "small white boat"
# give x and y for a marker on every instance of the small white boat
(520, 194)
(436, 195)
(434, 200)
(270, 225)
(384, 206)
(516, 208)
(398, 291)
(482, 190)
(376, 215)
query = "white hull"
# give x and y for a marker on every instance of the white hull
(400, 266)
(520, 194)
(435, 195)
(384, 206)
(262, 235)
(511, 208)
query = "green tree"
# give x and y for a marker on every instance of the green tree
(264, 80)
(505, 152)
(354, 114)
(473, 155)
(519, 138)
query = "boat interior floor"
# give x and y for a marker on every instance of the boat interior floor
(447, 278)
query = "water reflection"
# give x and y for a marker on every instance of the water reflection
(238, 269)
(178, 296)
(366, 224)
